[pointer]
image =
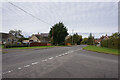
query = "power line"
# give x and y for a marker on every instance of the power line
(29, 13)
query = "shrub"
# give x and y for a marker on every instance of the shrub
(15, 45)
(111, 43)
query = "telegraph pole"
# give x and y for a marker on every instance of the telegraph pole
(72, 35)
(52, 34)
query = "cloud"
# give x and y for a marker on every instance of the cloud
(81, 16)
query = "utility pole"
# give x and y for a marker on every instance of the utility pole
(72, 35)
(52, 34)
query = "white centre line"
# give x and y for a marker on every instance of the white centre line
(35, 63)
(27, 66)
(51, 58)
(19, 68)
(60, 55)
(66, 53)
(9, 71)
(44, 60)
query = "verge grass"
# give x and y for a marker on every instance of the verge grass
(102, 50)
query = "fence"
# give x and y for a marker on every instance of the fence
(38, 44)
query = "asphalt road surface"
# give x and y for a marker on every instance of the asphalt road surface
(58, 62)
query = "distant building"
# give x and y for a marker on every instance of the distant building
(25, 41)
(40, 38)
(98, 41)
(104, 37)
(7, 38)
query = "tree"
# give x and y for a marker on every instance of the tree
(90, 39)
(84, 41)
(77, 39)
(17, 34)
(115, 35)
(58, 33)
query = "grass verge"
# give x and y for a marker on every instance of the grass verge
(102, 50)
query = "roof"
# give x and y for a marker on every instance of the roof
(39, 36)
(5, 35)
(44, 34)
(104, 37)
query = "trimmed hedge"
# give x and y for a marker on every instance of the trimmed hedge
(15, 45)
(113, 43)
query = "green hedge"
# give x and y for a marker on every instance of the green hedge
(15, 45)
(111, 43)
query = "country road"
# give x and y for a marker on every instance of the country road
(58, 62)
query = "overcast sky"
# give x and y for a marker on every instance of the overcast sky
(82, 17)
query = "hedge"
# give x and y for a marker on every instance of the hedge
(113, 43)
(15, 45)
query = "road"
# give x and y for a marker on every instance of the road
(58, 62)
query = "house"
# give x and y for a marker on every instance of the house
(7, 38)
(105, 37)
(25, 41)
(98, 41)
(40, 38)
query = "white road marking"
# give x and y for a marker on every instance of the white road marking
(27, 66)
(44, 60)
(51, 58)
(9, 71)
(19, 68)
(35, 63)
(66, 53)
(59, 55)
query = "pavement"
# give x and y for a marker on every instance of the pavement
(58, 62)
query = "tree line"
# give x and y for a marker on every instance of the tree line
(59, 36)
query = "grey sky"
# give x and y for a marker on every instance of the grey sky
(83, 17)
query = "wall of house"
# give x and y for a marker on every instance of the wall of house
(35, 39)
(9, 40)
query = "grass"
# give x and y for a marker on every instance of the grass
(31, 47)
(102, 50)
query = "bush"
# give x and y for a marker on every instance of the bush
(111, 43)
(15, 45)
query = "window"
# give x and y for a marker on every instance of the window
(3, 40)
(9, 39)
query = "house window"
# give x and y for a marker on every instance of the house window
(9, 39)
(3, 40)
